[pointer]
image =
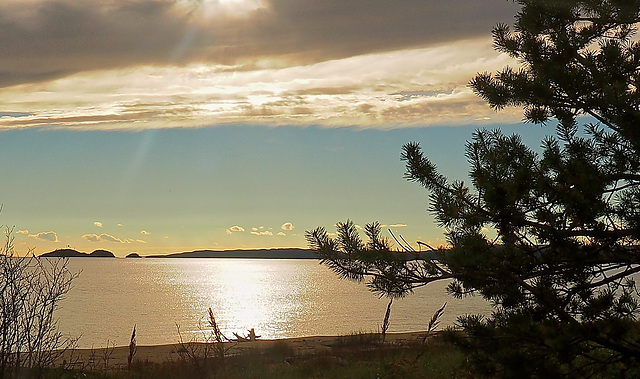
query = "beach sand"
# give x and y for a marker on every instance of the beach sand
(116, 357)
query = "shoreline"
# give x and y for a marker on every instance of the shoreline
(110, 358)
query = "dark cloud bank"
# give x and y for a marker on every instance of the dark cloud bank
(47, 39)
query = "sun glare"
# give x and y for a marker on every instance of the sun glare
(212, 8)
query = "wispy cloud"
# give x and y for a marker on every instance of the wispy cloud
(50, 236)
(261, 231)
(424, 86)
(98, 224)
(104, 237)
(192, 63)
(46, 236)
(235, 229)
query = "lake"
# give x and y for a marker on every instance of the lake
(277, 297)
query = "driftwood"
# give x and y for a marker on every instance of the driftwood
(248, 338)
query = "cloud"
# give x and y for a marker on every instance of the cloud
(281, 234)
(91, 237)
(98, 224)
(235, 229)
(397, 226)
(189, 63)
(287, 226)
(144, 233)
(62, 37)
(402, 88)
(261, 231)
(110, 238)
(46, 236)
(120, 225)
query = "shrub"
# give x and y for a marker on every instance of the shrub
(31, 289)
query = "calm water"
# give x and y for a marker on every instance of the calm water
(279, 298)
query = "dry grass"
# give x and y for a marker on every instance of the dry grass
(403, 355)
(360, 354)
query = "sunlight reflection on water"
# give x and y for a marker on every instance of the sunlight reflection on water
(279, 298)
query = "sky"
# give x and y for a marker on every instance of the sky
(160, 126)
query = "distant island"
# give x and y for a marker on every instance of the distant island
(70, 253)
(254, 254)
(250, 254)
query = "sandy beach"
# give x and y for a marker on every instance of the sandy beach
(116, 357)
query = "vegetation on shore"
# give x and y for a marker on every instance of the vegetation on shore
(359, 355)
(30, 291)
(211, 354)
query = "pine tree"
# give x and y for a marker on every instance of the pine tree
(551, 239)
